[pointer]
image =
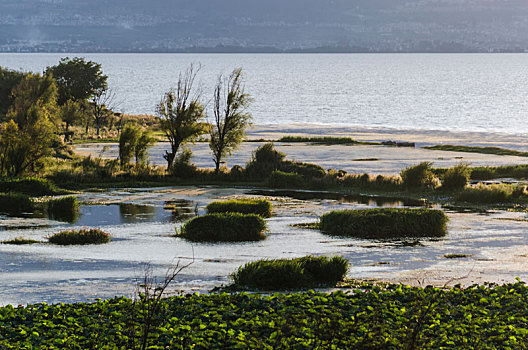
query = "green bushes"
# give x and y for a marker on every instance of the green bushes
(260, 207)
(80, 237)
(63, 209)
(487, 194)
(20, 241)
(226, 227)
(31, 186)
(385, 223)
(15, 203)
(420, 176)
(302, 272)
(456, 178)
(279, 179)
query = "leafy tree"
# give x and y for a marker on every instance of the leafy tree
(127, 144)
(181, 113)
(77, 79)
(133, 142)
(231, 116)
(8, 80)
(27, 135)
(71, 113)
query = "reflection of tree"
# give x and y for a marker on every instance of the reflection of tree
(131, 213)
(181, 209)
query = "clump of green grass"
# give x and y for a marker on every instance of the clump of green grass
(20, 241)
(80, 237)
(325, 140)
(488, 173)
(16, 203)
(385, 223)
(63, 209)
(302, 272)
(489, 194)
(420, 176)
(457, 256)
(224, 227)
(280, 179)
(475, 149)
(260, 207)
(456, 178)
(31, 186)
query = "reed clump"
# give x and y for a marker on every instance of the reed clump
(80, 237)
(305, 272)
(260, 207)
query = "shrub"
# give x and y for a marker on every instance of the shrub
(63, 209)
(385, 223)
(306, 170)
(264, 161)
(302, 272)
(182, 165)
(260, 207)
(16, 203)
(80, 237)
(486, 194)
(31, 186)
(279, 179)
(456, 178)
(224, 227)
(20, 241)
(420, 175)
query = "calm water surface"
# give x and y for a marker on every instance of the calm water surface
(459, 92)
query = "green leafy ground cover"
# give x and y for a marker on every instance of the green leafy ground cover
(395, 317)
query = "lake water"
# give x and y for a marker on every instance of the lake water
(458, 92)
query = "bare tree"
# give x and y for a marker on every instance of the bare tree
(101, 104)
(231, 116)
(181, 113)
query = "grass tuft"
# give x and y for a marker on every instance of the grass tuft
(280, 179)
(80, 237)
(31, 186)
(260, 207)
(20, 241)
(385, 223)
(224, 227)
(302, 272)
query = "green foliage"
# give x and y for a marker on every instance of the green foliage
(224, 227)
(419, 176)
(8, 80)
(385, 223)
(280, 179)
(264, 161)
(80, 237)
(305, 272)
(31, 186)
(306, 170)
(326, 140)
(71, 113)
(77, 79)
(488, 194)
(133, 142)
(507, 171)
(456, 178)
(20, 241)
(371, 317)
(260, 207)
(28, 134)
(181, 114)
(230, 105)
(63, 209)
(16, 203)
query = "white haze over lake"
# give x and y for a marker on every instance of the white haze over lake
(456, 92)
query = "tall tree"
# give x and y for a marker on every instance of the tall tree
(231, 116)
(8, 80)
(181, 113)
(27, 135)
(77, 79)
(101, 105)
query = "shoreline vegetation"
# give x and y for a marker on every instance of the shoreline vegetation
(43, 114)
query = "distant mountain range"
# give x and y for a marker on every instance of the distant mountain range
(263, 25)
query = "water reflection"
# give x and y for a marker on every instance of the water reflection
(372, 201)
